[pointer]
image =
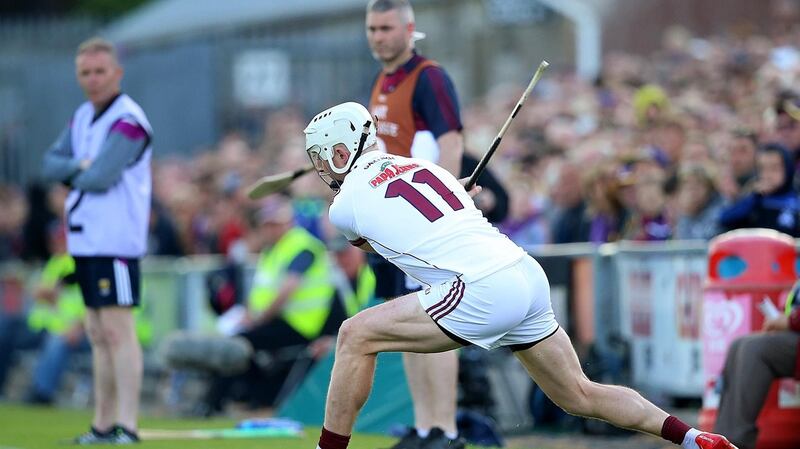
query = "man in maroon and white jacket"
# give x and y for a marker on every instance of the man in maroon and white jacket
(753, 362)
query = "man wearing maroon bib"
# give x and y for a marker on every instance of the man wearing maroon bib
(417, 115)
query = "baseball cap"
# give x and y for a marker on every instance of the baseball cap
(792, 108)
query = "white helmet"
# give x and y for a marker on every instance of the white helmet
(347, 123)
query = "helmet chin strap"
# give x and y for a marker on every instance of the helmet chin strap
(364, 135)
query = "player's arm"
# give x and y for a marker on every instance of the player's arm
(451, 147)
(125, 143)
(342, 216)
(436, 103)
(58, 164)
(493, 201)
(476, 189)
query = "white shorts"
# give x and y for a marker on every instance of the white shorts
(510, 307)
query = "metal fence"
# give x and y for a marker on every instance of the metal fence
(186, 89)
(647, 296)
(657, 310)
(37, 88)
(190, 88)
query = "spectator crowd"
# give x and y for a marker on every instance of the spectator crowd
(698, 138)
(691, 141)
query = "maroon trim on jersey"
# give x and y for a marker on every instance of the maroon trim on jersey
(452, 289)
(358, 241)
(445, 102)
(451, 304)
(419, 123)
(392, 80)
(444, 313)
(129, 128)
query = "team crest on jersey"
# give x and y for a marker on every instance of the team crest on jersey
(104, 285)
(390, 170)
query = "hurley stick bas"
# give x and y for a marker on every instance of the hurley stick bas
(485, 159)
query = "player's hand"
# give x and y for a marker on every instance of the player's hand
(476, 189)
(74, 335)
(778, 324)
(85, 164)
(485, 201)
(46, 294)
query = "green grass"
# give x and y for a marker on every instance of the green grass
(23, 427)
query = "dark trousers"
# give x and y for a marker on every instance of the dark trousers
(52, 361)
(260, 384)
(751, 365)
(14, 337)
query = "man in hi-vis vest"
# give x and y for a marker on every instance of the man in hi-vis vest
(103, 156)
(289, 301)
(417, 115)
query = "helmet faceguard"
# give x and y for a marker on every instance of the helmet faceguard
(349, 124)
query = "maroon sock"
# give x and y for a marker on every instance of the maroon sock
(674, 430)
(330, 440)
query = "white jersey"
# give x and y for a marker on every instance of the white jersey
(112, 223)
(419, 217)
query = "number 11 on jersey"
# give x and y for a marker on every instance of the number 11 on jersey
(401, 188)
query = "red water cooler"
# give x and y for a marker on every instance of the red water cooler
(745, 267)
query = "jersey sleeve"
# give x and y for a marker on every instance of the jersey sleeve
(126, 142)
(342, 217)
(435, 101)
(58, 163)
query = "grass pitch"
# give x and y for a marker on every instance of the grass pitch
(23, 427)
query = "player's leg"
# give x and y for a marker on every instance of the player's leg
(400, 325)
(433, 382)
(432, 378)
(126, 354)
(95, 286)
(105, 392)
(419, 388)
(554, 366)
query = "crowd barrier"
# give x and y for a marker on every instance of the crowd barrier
(643, 296)
(659, 293)
(646, 297)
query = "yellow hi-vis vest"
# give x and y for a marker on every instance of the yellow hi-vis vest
(142, 323)
(68, 309)
(309, 306)
(790, 298)
(365, 290)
